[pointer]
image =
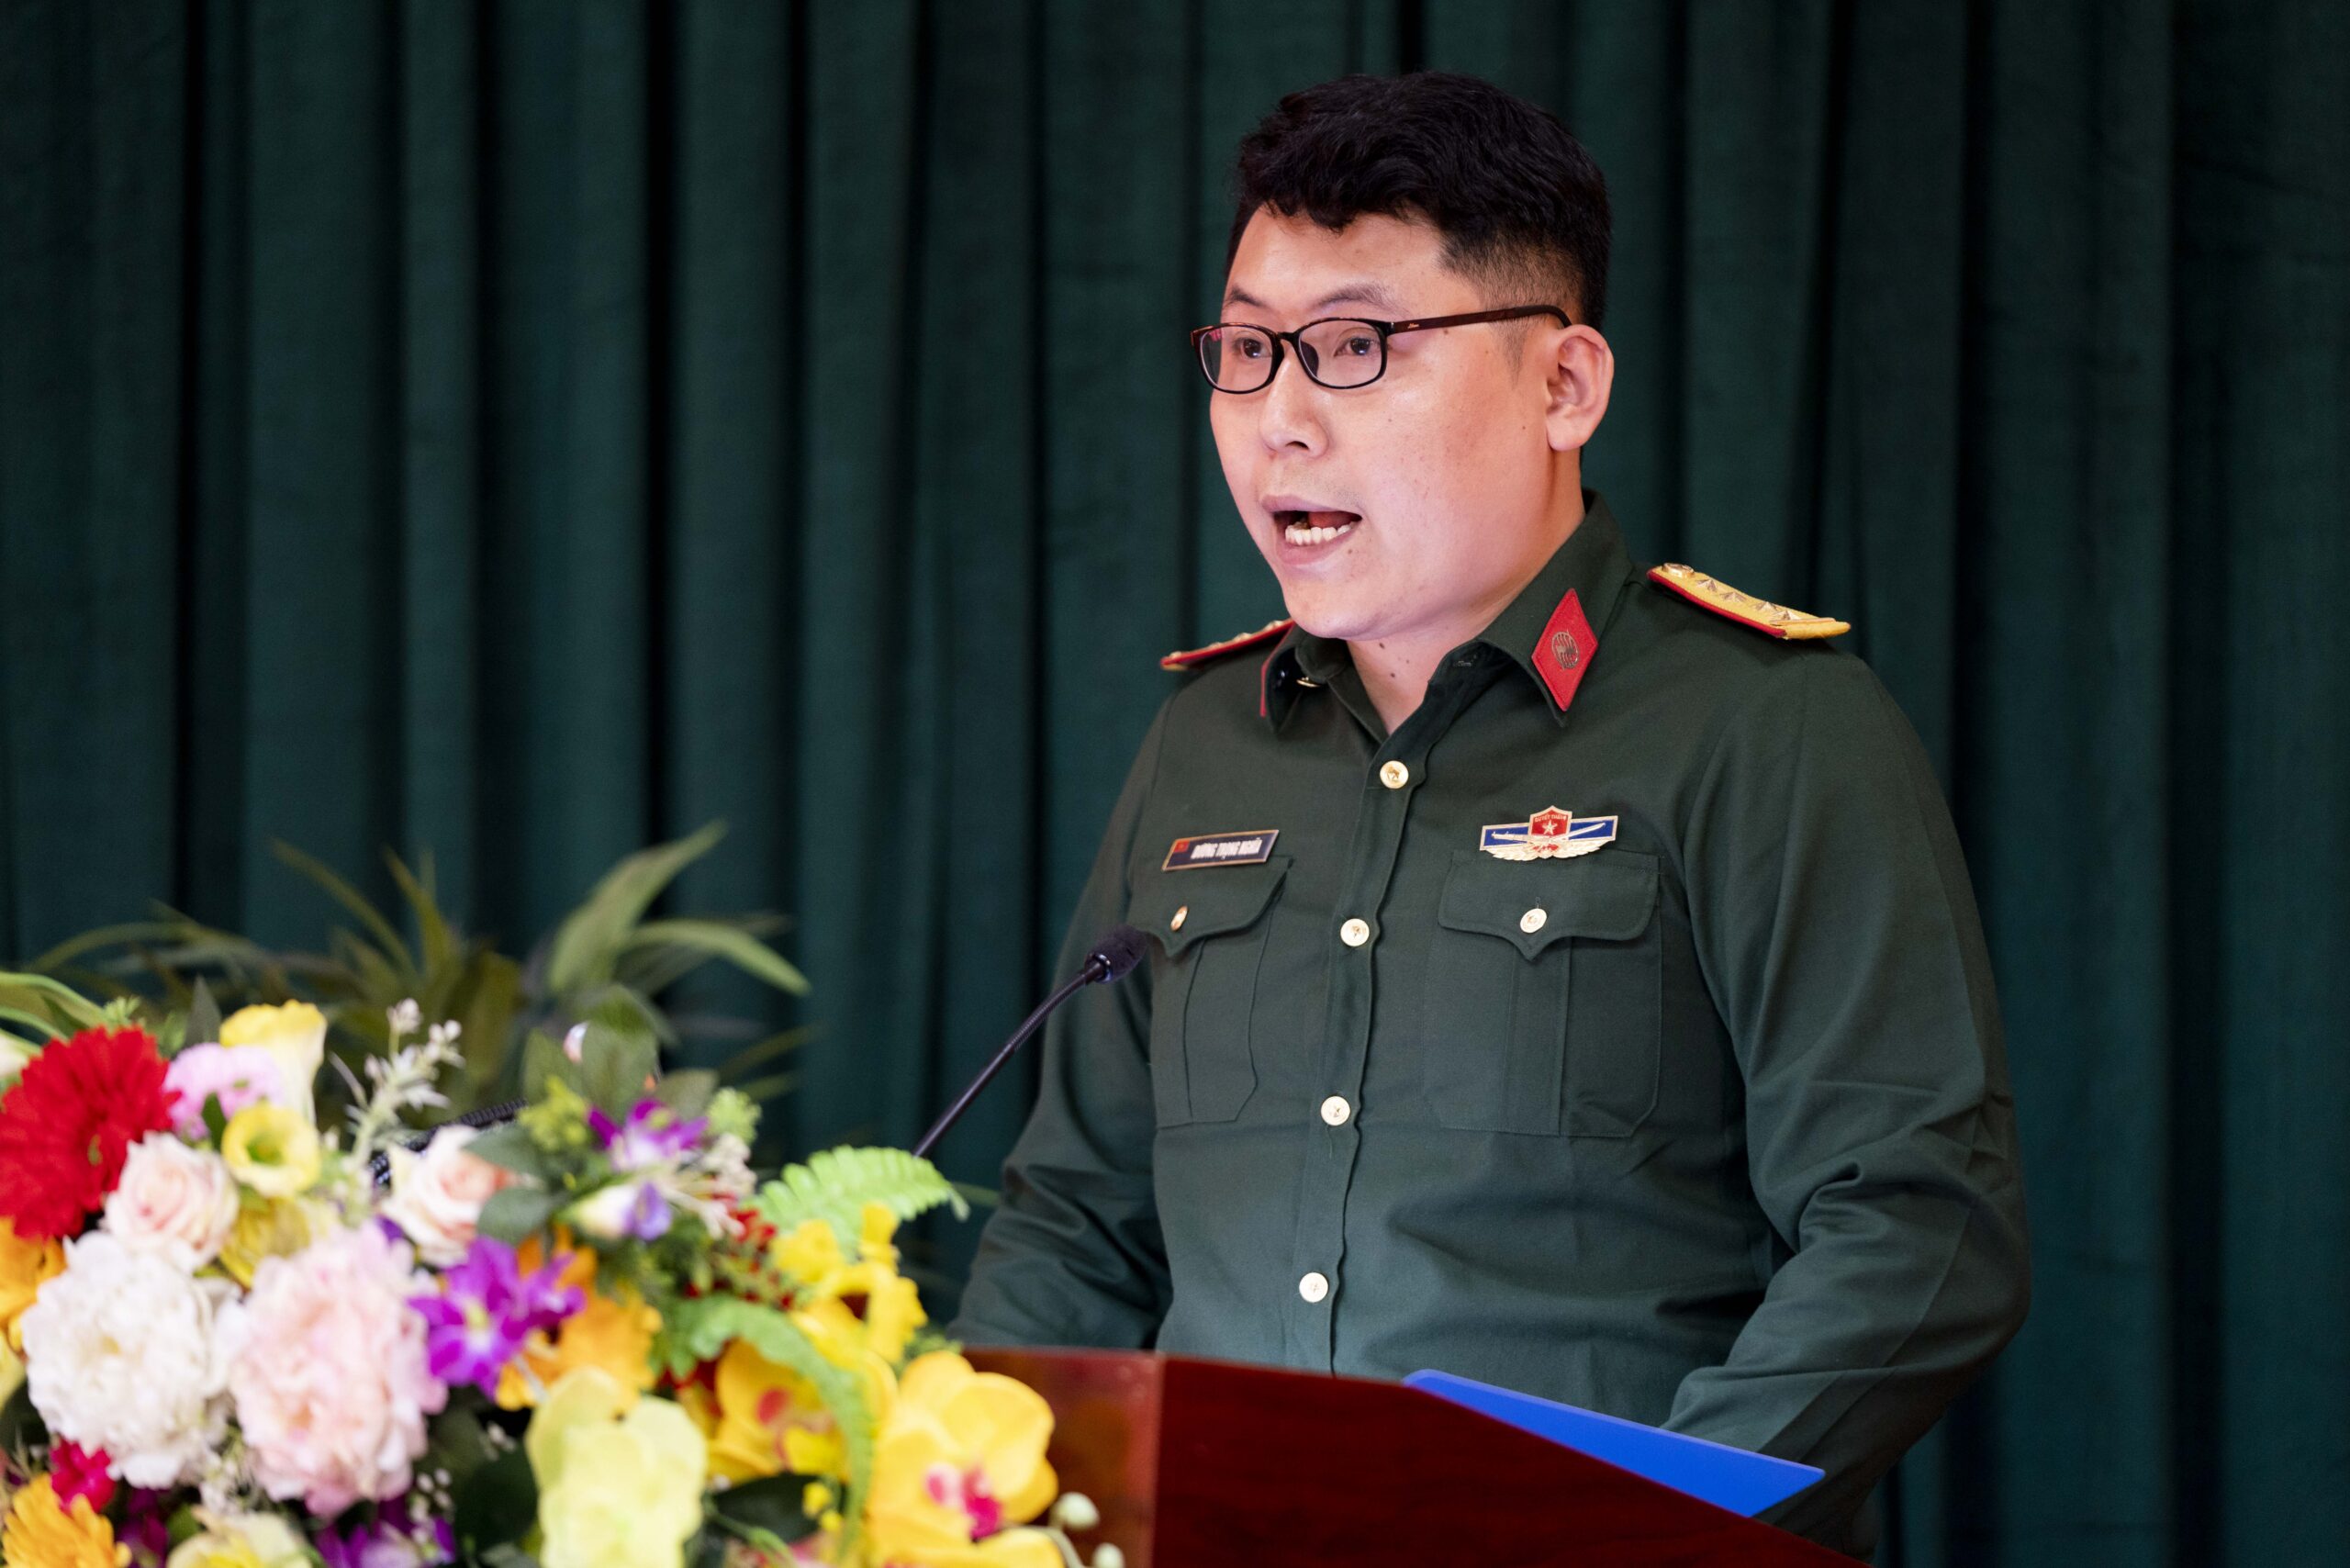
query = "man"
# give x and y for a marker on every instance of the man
(1565, 975)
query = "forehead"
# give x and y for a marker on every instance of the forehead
(1292, 266)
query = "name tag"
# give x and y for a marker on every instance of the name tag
(1251, 848)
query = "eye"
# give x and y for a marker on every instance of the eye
(1359, 345)
(1248, 345)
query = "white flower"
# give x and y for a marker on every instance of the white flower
(437, 1196)
(239, 1538)
(172, 1199)
(121, 1354)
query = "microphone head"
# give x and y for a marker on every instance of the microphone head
(1119, 951)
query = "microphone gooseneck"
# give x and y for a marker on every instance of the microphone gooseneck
(1111, 957)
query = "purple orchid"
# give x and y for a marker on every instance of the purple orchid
(388, 1544)
(486, 1309)
(651, 1136)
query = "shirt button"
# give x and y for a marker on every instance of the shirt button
(1394, 775)
(1355, 933)
(1314, 1287)
(1335, 1110)
(1532, 921)
(1180, 915)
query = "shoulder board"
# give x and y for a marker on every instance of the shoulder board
(1188, 659)
(1711, 593)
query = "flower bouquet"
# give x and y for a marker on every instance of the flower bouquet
(587, 1338)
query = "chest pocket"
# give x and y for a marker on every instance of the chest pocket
(1544, 995)
(1210, 926)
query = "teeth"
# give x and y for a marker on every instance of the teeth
(1298, 534)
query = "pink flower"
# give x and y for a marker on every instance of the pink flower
(238, 1075)
(173, 1199)
(436, 1196)
(329, 1374)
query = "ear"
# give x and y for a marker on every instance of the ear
(1578, 373)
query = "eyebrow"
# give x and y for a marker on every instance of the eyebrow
(1369, 293)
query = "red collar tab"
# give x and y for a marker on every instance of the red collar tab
(1192, 659)
(1565, 651)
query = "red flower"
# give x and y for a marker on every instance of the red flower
(76, 1472)
(70, 1120)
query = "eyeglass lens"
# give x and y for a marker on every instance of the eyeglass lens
(1338, 354)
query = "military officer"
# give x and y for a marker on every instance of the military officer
(1566, 972)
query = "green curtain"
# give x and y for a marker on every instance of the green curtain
(526, 430)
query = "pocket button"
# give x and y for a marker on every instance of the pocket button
(1533, 920)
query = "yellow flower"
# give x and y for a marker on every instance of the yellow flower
(294, 1035)
(620, 1477)
(959, 1464)
(25, 1266)
(811, 1256)
(761, 1419)
(41, 1534)
(613, 1336)
(273, 1149)
(275, 1228)
(241, 1540)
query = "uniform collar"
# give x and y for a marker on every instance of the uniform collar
(1550, 630)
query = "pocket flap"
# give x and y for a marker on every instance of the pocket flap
(1608, 896)
(1178, 908)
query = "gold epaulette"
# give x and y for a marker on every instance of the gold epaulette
(1186, 657)
(1712, 593)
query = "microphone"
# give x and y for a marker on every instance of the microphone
(1111, 957)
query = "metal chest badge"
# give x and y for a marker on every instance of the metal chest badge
(1549, 834)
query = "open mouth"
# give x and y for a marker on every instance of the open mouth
(1315, 526)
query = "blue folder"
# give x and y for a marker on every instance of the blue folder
(1714, 1472)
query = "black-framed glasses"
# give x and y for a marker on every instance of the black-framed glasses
(1338, 352)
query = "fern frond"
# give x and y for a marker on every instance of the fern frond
(835, 1186)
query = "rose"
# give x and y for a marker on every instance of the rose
(172, 1199)
(295, 1033)
(437, 1196)
(237, 1076)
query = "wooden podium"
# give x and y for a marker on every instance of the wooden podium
(1212, 1464)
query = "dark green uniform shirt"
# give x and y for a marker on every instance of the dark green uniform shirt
(1709, 1127)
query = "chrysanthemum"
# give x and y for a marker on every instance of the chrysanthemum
(70, 1121)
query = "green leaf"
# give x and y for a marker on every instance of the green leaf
(510, 1148)
(434, 936)
(769, 1505)
(21, 1425)
(203, 1015)
(588, 942)
(343, 892)
(835, 1186)
(688, 1093)
(543, 1057)
(216, 1120)
(718, 940)
(73, 948)
(514, 1215)
(31, 991)
(767, 1050)
(699, 1329)
(498, 1504)
(617, 1056)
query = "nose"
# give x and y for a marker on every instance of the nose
(1290, 415)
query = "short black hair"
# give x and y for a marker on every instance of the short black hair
(1518, 201)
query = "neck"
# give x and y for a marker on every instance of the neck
(1395, 670)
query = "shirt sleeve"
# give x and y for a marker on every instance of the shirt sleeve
(1840, 937)
(1073, 1254)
